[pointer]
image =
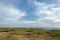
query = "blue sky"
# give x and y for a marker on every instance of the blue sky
(30, 13)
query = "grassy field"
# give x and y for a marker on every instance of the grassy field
(28, 34)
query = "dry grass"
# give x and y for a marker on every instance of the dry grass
(28, 34)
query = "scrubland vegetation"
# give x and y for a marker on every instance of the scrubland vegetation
(28, 34)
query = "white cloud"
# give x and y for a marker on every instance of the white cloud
(48, 15)
(48, 11)
(30, 22)
(8, 13)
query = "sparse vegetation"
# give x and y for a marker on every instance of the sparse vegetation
(16, 33)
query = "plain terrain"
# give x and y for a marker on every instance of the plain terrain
(28, 34)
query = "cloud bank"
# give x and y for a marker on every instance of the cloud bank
(46, 13)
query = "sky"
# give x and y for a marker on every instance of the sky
(30, 13)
